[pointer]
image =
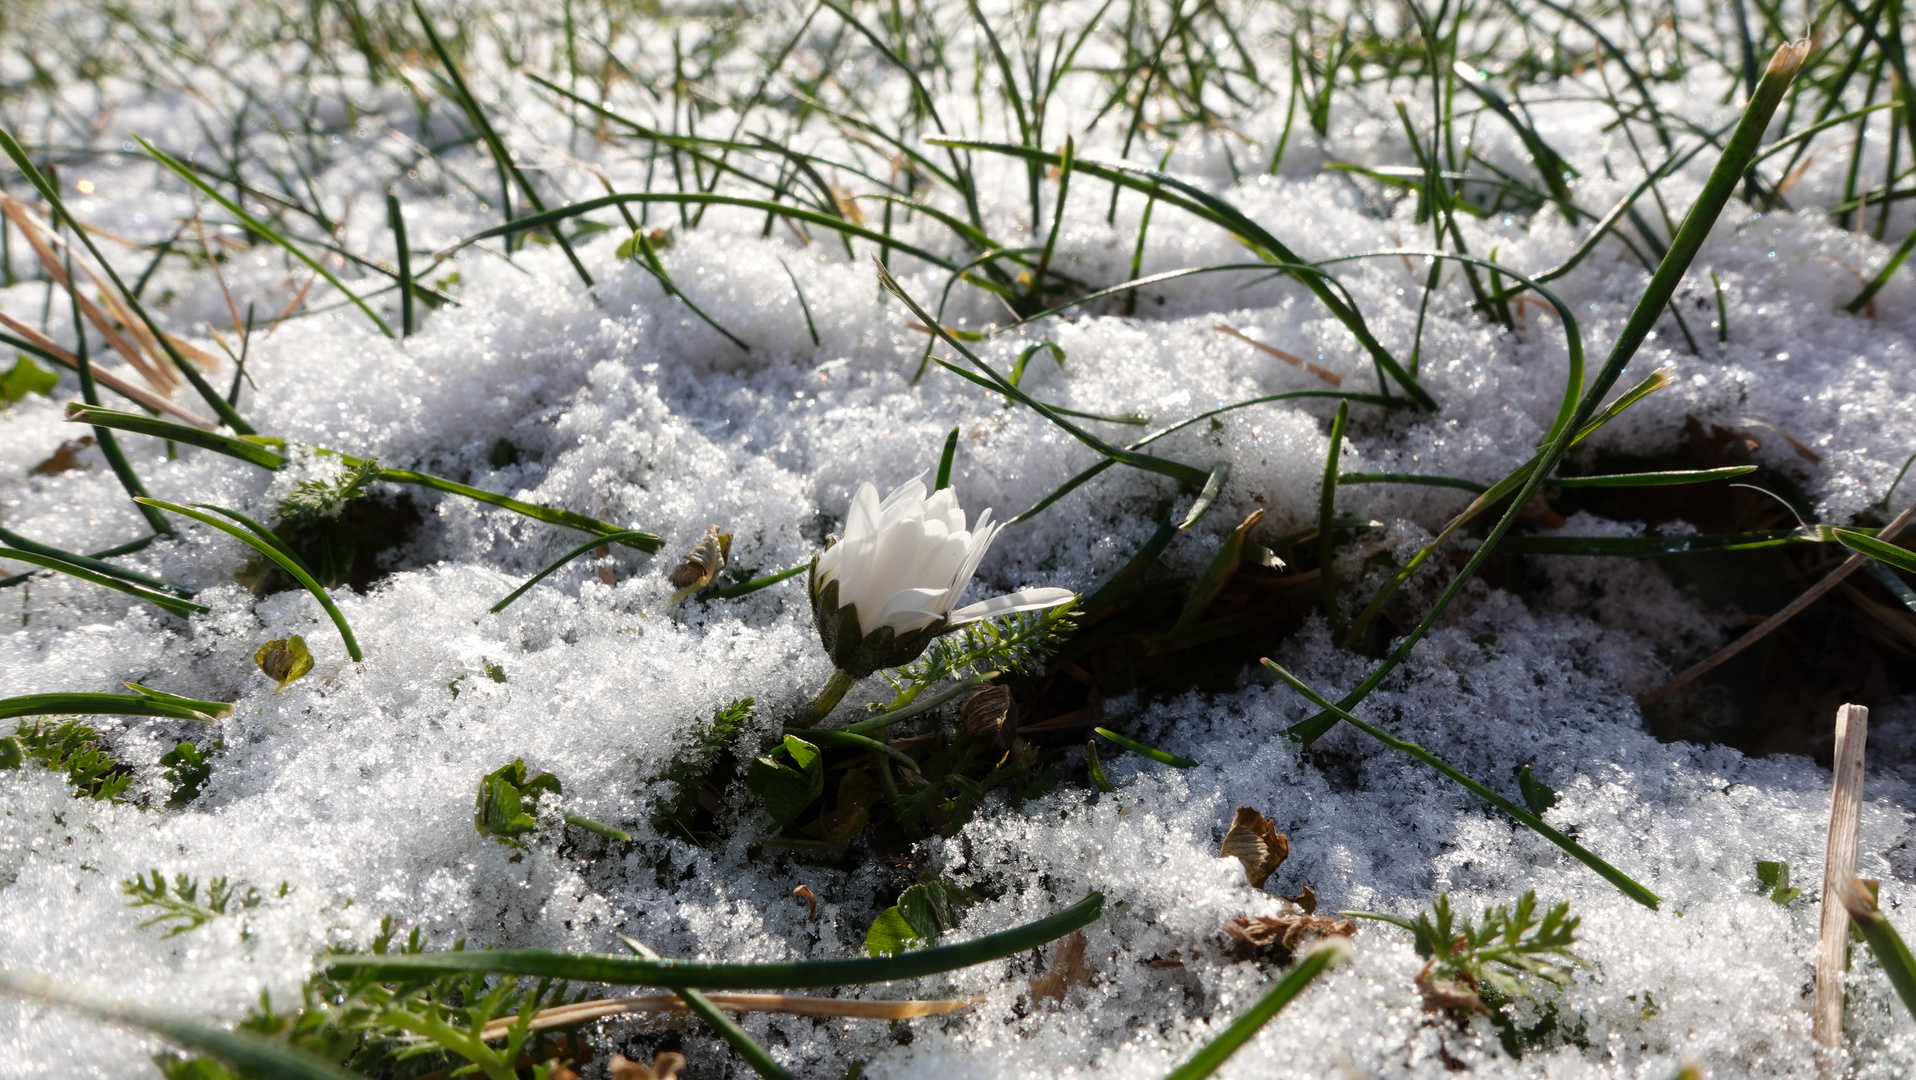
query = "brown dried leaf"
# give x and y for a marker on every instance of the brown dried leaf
(1306, 900)
(990, 714)
(665, 1066)
(1066, 971)
(804, 892)
(1256, 843)
(1442, 994)
(702, 563)
(66, 458)
(1287, 932)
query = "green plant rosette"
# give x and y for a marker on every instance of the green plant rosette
(857, 654)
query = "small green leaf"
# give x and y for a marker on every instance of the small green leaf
(284, 660)
(188, 768)
(1536, 794)
(505, 798)
(1775, 877)
(890, 933)
(786, 790)
(1162, 757)
(925, 911)
(496, 672)
(26, 378)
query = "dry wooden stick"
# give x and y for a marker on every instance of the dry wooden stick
(789, 1004)
(1839, 865)
(1833, 579)
(30, 229)
(106, 378)
(1325, 374)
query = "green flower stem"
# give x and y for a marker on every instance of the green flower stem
(917, 707)
(827, 699)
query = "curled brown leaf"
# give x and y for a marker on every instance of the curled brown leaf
(665, 1066)
(1256, 843)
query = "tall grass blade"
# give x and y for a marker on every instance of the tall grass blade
(170, 604)
(1576, 851)
(597, 541)
(274, 551)
(262, 230)
(1214, 1053)
(149, 703)
(784, 975)
(1722, 183)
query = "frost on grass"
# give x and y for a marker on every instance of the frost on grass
(347, 795)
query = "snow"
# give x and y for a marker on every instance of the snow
(354, 786)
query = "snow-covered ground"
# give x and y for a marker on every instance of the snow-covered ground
(355, 785)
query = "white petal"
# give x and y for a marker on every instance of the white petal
(861, 518)
(906, 610)
(981, 539)
(943, 506)
(911, 489)
(1022, 600)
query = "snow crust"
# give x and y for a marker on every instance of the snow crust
(354, 786)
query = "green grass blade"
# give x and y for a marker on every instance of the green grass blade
(1652, 546)
(1079, 480)
(1174, 469)
(745, 587)
(638, 541)
(860, 742)
(500, 155)
(597, 541)
(265, 534)
(810, 327)
(914, 708)
(694, 198)
(1160, 756)
(286, 563)
(252, 1055)
(261, 229)
(1882, 277)
(1880, 550)
(1326, 514)
(786, 975)
(396, 220)
(1129, 419)
(1214, 1053)
(255, 450)
(141, 424)
(149, 704)
(91, 562)
(1576, 851)
(109, 446)
(1217, 211)
(755, 1055)
(171, 604)
(1201, 505)
(1884, 941)
(1654, 479)
(599, 828)
(945, 460)
(1346, 479)
(1697, 224)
